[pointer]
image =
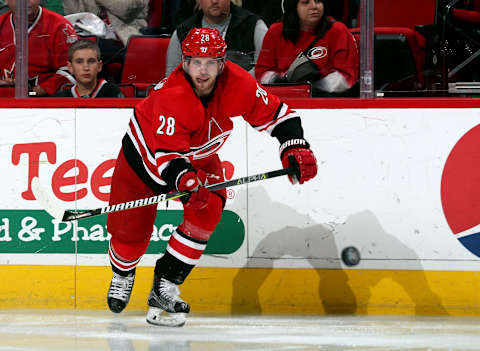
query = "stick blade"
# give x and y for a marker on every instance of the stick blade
(47, 202)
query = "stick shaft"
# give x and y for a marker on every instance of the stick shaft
(71, 216)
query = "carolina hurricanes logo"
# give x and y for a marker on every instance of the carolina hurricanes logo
(317, 52)
(8, 73)
(70, 36)
(209, 148)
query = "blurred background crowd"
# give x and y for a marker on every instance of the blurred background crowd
(294, 47)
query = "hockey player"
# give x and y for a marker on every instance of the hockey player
(171, 144)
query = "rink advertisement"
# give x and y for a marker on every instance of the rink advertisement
(460, 191)
(74, 163)
(398, 184)
(34, 231)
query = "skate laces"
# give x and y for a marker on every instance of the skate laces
(168, 290)
(121, 287)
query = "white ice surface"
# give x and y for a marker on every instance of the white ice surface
(66, 330)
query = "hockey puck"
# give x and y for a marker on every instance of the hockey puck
(350, 256)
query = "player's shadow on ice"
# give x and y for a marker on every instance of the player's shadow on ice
(334, 288)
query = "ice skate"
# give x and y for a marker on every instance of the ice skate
(119, 292)
(166, 308)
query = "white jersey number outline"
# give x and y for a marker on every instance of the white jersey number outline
(167, 125)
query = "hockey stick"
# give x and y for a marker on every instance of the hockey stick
(55, 211)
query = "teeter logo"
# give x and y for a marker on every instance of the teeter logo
(34, 231)
(460, 190)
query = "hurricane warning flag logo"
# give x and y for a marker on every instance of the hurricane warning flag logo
(317, 52)
(460, 190)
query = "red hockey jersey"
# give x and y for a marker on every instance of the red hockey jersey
(49, 38)
(335, 51)
(173, 122)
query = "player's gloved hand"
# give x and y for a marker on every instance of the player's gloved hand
(194, 181)
(296, 154)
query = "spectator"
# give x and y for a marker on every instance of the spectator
(188, 8)
(124, 17)
(242, 30)
(53, 5)
(49, 37)
(84, 64)
(305, 25)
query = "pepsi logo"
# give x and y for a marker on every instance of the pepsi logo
(460, 190)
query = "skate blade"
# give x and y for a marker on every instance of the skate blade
(157, 316)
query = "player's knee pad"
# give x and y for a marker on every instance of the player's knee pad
(200, 224)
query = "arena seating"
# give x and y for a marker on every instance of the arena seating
(128, 90)
(462, 38)
(405, 13)
(397, 55)
(290, 90)
(402, 42)
(155, 8)
(470, 15)
(145, 61)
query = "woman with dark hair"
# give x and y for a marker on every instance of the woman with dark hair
(330, 61)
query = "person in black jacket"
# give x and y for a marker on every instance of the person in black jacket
(242, 30)
(84, 64)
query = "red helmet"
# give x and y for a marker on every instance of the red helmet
(204, 42)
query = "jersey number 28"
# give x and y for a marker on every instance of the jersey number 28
(167, 125)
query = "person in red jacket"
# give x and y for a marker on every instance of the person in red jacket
(49, 37)
(171, 145)
(306, 25)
